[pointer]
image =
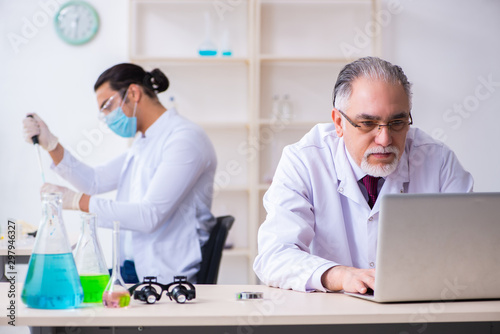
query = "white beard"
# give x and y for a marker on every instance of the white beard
(377, 170)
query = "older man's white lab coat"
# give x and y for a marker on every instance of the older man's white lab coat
(317, 215)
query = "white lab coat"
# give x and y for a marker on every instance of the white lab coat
(317, 216)
(164, 196)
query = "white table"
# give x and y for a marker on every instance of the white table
(216, 306)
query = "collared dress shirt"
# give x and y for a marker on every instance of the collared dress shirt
(164, 195)
(318, 216)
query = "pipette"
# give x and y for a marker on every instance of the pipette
(37, 147)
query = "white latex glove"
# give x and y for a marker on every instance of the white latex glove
(36, 127)
(70, 199)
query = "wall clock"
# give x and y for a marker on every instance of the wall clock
(76, 22)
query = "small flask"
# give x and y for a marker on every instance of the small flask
(52, 281)
(90, 262)
(226, 45)
(276, 108)
(207, 47)
(286, 108)
(116, 293)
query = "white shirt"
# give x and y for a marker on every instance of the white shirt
(165, 188)
(317, 215)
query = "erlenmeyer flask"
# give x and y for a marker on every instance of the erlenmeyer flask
(90, 261)
(52, 280)
(207, 47)
(116, 293)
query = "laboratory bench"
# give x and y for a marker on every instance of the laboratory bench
(217, 310)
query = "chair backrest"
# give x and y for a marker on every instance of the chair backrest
(212, 251)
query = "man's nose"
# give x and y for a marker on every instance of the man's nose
(383, 137)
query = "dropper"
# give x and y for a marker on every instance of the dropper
(36, 142)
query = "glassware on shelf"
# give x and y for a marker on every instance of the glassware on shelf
(276, 108)
(52, 280)
(207, 47)
(281, 109)
(286, 108)
(90, 261)
(226, 45)
(116, 293)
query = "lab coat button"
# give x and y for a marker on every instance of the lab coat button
(372, 264)
(370, 219)
(341, 190)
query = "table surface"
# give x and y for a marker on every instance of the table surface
(216, 305)
(24, 247)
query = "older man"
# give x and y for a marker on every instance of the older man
(322, 209)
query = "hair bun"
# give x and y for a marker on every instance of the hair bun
(156, 80)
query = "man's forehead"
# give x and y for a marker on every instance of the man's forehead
(369, 81)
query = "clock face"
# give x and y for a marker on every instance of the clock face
(76, 22)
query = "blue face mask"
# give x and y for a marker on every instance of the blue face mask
(121, 124)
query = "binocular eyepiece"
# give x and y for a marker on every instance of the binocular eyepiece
(179, 290)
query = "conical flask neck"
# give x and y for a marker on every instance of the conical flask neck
(51, 205)
(116, 277)
(89, 257)
(51, 235)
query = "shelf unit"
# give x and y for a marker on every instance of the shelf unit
(279, 47)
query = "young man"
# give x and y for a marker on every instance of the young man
(322, 209)
(163, 183)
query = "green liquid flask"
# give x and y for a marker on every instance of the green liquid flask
(116, 293)
(90, 261)
(52, 281)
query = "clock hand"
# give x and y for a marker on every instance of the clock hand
(76, 26)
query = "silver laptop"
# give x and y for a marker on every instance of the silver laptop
(434, 247)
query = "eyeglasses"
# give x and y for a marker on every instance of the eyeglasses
(368, 126)
(107, 107)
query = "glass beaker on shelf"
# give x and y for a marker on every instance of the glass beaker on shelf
(52, 281)
(116, 293)
(226, 45)
(286, 109)
(207, 47)
(90, 261)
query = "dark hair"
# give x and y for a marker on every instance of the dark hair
(368, 67)
(123, 75)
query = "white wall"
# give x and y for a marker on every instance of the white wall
(55, 80)
(446, 48)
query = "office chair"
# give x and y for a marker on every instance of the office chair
(211, 253)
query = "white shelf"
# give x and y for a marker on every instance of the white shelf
(234, 252)
(274, 58)
(280, 47)
(289, 124)
(223, 126)
(316, 2)
(190, 60)
(234, 189)
(264, 186)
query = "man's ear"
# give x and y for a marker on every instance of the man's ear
(135, 93)
(337, 120)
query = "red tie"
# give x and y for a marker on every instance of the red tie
(371, 184)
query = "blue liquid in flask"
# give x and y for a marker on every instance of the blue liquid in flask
(52, 282)
(207, 52)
